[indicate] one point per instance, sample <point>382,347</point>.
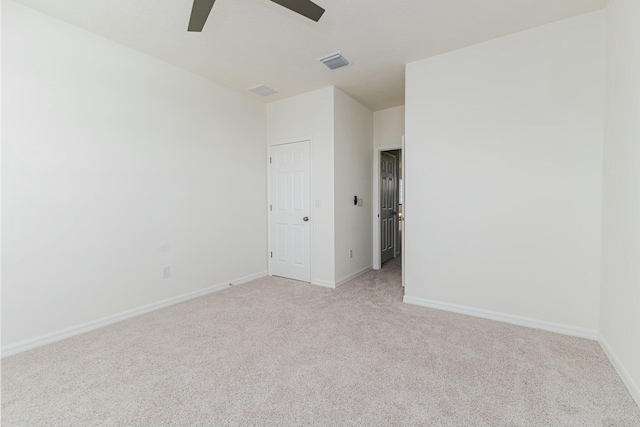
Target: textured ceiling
<point>251,42</point>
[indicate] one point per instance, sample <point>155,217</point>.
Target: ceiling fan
<point>202,8</point>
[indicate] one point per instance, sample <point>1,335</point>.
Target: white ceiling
<point>251,42</point>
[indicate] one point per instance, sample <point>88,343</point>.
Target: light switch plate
<point>360,201</point>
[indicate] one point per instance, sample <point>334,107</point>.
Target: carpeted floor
<point>279,352</point>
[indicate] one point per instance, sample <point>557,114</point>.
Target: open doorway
<point>388,207</point>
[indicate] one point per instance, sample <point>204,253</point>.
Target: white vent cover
<point>263,90</point>
<point>334,61</point>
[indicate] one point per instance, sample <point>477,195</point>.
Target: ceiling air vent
<point>263,90</point>
<point>334,61</point>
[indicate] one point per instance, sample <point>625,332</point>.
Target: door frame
<point>270,145</point>
<point>377,153</point>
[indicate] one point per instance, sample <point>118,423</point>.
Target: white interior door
<point>290,228</point>
<point>388,203</point>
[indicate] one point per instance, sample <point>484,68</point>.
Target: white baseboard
<point>324,283</point>
<point>591,334</point>
<point>353,276</point>
<point>634,389</point>
<point>21,346</point>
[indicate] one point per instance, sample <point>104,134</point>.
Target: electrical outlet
<point>166,272</point>
<point>350,253</point>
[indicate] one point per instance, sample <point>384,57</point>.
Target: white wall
<point>353,175</point>
<point>388,126</point>
<point>115,164</point>
<point>504,176</point>
<point>310,116</point>
<point>1,173</point>
<point>620,294</point>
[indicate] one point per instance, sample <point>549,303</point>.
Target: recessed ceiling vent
<point>263,90</point>
<point>334,61</point>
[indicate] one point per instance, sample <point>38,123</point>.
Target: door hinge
<point>269,159</point>
<point>271,254</point>
<point>270,207</point>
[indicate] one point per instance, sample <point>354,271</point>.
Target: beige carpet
<point>279,352</point>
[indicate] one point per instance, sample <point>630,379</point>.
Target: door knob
<point>306,218</point>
